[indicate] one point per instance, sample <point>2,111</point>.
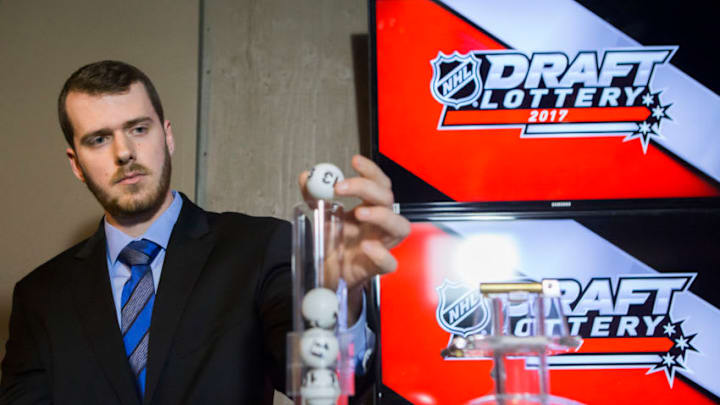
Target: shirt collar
<point>159,232</point>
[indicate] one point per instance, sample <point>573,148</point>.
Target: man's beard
<point>145,207</point>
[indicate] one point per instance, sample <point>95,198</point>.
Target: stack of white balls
<point>319,347</point>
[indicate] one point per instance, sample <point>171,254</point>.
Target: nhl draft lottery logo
<point>553,94</point>
<point>461,310</point>
<point>625,322</point>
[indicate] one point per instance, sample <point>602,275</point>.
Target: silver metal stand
<point>525,385</point>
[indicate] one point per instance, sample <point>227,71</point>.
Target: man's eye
<point>140,130</point>
<point>96,140</point>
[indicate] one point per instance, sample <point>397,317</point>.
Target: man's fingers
<point>368,169</point>
<point>394,225</point>
<point>302,181</point>
<point>380,256</point>
<point>371,192</point>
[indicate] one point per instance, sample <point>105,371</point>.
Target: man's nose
<point>124,149</point>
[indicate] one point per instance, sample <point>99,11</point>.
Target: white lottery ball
<point>318,348</point>
<point>320,308</point>
<point>320,387</point>
<point>322,179</point>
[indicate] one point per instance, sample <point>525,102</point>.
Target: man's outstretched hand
<point>370,229</point>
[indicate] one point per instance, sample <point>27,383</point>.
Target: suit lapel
<point>188,248</point>
<point>94,303</point>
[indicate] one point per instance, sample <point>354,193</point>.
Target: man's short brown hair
<point>105,77</point>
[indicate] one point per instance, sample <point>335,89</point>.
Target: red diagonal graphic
<point>560,115</point>
<point>411,341</point>
<point>626,345</point>
<point>497,164</point>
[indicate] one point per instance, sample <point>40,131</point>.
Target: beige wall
<point>45,209</point>
<point>282,96</point>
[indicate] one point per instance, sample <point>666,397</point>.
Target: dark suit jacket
<point>222,309</point>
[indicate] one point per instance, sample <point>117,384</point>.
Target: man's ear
<point>169,138</point>
<point>74,164</point>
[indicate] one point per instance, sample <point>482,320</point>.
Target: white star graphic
<point>647,99</point>
<point>669,364</point>
<point>658,112</point>
<point>669,328</point>
<point>644,132</point>
<point>681,343</point>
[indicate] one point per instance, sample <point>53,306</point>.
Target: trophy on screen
<point>319,349</point>
<point>527,325</point>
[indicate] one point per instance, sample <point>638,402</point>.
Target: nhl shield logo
<point>461,310</point>
<point>456,79</point>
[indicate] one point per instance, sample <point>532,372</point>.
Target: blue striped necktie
<point>138,296</point>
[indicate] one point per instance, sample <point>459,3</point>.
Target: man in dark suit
<point>167,303</point>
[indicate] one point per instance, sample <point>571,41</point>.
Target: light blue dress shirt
<point>159,232</point>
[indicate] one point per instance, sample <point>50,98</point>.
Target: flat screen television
<point>554,104</point>
<point>640,289</point>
